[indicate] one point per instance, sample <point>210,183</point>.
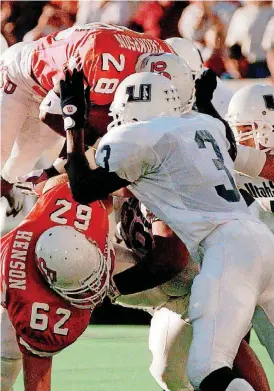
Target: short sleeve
<point>125,154</point>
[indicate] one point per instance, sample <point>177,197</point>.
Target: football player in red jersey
<point>107,54</point>
<point>56,268</point>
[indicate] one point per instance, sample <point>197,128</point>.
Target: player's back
<point>185,177</point>
<point>108,54</point>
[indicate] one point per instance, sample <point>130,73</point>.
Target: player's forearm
<point>254,162</point>
<point>37,373</point>
<point>209,109</point>
<point>88,185</point>
<point>143,276</point>
<point>169,257</point>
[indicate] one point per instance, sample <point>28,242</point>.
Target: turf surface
<point>114,358</point>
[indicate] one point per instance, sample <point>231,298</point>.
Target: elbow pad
<point>249,161</point>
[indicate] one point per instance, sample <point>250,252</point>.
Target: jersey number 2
<point>39,321</point>
<point>231,195</point>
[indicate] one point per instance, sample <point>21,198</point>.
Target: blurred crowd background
<point>236,38</point>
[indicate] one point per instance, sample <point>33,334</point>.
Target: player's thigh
<point>29,145</point>
<point>11,358</point>
<point>169,341</point>
<point>9,345</point>
<point>14,111</point>
<point>223,299</point>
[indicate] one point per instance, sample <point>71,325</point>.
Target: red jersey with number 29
<point>45,323</point>
<point>108,54</point>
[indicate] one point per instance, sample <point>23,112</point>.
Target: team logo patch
<point>69,109</point>
<point>143,95</point>
<point>49,274</point>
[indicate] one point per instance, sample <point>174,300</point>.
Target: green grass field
<point>114,358</point>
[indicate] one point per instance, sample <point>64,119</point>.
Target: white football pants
<point>237,274</point>
<point>11,357</point>
<point>170,338</point>
<point>24,136</point>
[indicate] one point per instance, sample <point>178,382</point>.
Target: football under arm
<point>37,373</point>
<point>168,258</point>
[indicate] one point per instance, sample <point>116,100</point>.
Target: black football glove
<point>205,87</point>
<point>73,102</point>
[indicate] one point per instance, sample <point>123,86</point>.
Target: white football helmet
<point>175,69</point>
<point>143,96</point>
<point>187,51</point>
<point>74,267</point>
<point>253,105</point>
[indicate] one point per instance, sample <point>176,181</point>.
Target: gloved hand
<point>27,183</point>
<point>73,102</point>
<point>205,87</point>
<point>15,199</point>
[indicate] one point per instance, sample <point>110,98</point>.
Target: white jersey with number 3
<point>180,169</point>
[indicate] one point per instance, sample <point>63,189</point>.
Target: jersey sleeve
<point>121,152</point>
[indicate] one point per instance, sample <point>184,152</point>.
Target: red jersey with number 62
<point>108,54</point>
<point>45,323</point>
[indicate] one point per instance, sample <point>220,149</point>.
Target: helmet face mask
<point>253,106</point>
<point>258,133</point>
<point>76,270</point>
<point>143,96</point>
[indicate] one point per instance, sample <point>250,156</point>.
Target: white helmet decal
<point>174,68</point>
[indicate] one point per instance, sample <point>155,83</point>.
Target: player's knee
<point>222,379</point>
<point>10,369</point>
<point>10,349</point>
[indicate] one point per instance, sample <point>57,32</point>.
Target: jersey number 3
<point>231,195</point>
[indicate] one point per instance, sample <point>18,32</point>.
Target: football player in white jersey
<point>251,116</point>
<point>170,334</point>
<point>151,150</point>
<point>221,98</point>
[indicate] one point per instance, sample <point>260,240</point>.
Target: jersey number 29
<point>83,214</point>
